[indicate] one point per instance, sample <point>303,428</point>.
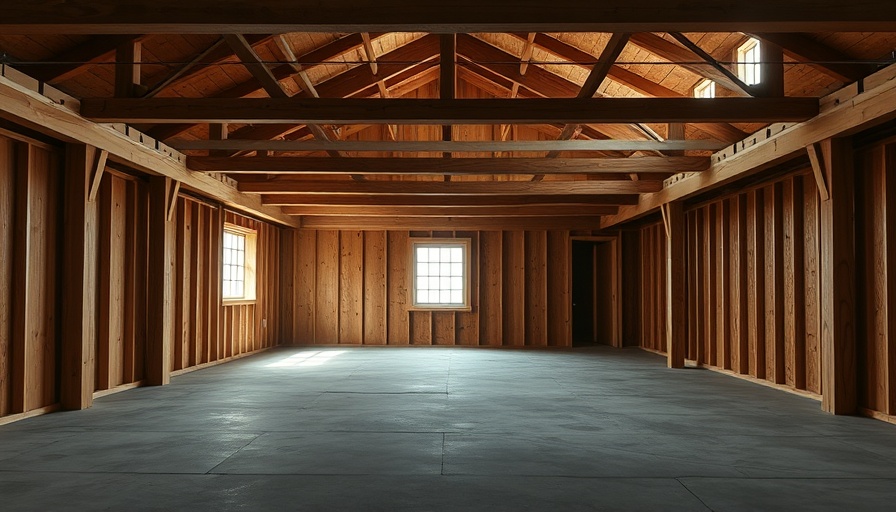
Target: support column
<point>158,308</point>
<point>838,344</point>
<point>676,291</point>
<point>79,277</point>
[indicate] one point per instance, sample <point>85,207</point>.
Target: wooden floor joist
<point>428,188</point>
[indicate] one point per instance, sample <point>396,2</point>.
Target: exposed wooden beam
<point>23,106</point>
<point>454,166</point>
<point>452,146</point>
<point>283,185</point>
<point>96,174</point>
<point>293,61</point>
<point>159,272</point>
<point>279,16</point>
<point>339,199</point>
<point>819,169</point>
<point>849,112</point>
<point>683,58</point>
<point>676,284</point>
<point>127,69</point>
<point>703,54</point>
<point>771,64</point>
<point>196,62</point>
<point>560,210</point>
<point>253,63</point>
<point>451,223</point>
<point>829,61</point>
<point>526,55</point>
<point>75,60</point>
<point>722,131</point>
<point>458,111</point>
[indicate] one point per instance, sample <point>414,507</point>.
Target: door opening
<point>595,318</point>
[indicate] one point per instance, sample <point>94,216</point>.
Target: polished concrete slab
<point>449,429</point>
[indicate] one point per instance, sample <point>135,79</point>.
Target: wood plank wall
<point>353,287</point>
<point>876,280</point>
<point>753,287</point>
<point>205,330</point>
<point>30,241</point>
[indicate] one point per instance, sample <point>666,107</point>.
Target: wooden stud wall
<point>752,283</point>
<point>876,280</point>
<point>121,282</point>
<point>353,287</point>
<point>206,329</point>
<point>30,244</point>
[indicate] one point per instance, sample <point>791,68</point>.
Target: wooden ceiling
<point>416,115</point>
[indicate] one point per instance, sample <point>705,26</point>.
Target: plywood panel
<point>558,294</point>
<point>491,327</point>
<point>7,232</point>
<point>794,284</point>
<point>326,318</point>
<point>398,254</point>
<point>375,287</point>
<point>812,275</point>
<point>536,288</point>
<point>306,286</point>
<point>466,330</point>
<point>514,289</point>
<point>774,284</point>
<point>351,287</point>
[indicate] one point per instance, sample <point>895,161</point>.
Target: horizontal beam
<point>437,188</point>
<point>280,16</point>
<point>386,200</point>
<point>446,166</point>
<point>451,223</point>
<point>446,146</point>
<point>852,110</point>
<point>458,111</point>
<point>28,108</point>
<point>527,210</point>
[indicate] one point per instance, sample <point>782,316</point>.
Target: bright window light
<point>748,68</point>
<point>705,89</point>
<point>441,273</point>
<point>313,358</point>
<point>238,263</point>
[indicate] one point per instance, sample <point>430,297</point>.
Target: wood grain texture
<point>375,303</point>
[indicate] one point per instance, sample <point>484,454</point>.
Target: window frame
<point>704,85</point>
<point>466,244</point>
<point>748,46</point>
<point>249,265</point>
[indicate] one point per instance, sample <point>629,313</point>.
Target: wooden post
<point>838,344</point>
<point>676,291</point>
<point>771,57</point>
<point>158,308</point>
<point>127,69</point>
<point>79,279</point>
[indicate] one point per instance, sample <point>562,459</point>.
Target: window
<point>441,273</point>
<point>705,89</point>
<point>238,264</point>
<point>748,68</point>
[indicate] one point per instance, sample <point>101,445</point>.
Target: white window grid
<point>748,58</point>
<point>234,267</point>
<point>440,274</point>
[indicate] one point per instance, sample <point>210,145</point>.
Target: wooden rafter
<point>182,71</point>
<point>454,166</point>
<point>285,49</point>
<point>722,131</point>
<point>254,64</point>
<point>682,57</point>
<point>451,223</point>
<point>71,62</point>
<point>480,188</point>
<point>458,111</point>
<point>703,54</point>
<point>273,16</point>
<point>818,55</point>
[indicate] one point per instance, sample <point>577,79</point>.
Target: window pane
<point>444,269</point>
<point>444,283</point>
<point>457,283</point>
<point>226,289</point>
<point>457,254</point>
<point>445,254</point>
<point>422,254</point>
<point>422,269</point>
<point>445,297</point>
<point>457,296</point>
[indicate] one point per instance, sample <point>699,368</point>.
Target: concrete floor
<point>449,429</point>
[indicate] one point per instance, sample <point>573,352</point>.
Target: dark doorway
<point>594,293</point>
